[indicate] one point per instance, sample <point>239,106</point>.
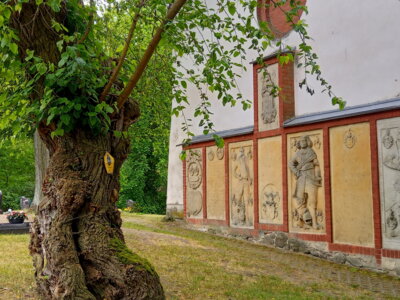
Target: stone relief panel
<point>215,184</point>
<point>389,177</point>
<point>270,180</point>
<point>305,177</point>
<point>268,104</point>
<point>194,184</point>
<point>241,184</point>
<point>351,185</point>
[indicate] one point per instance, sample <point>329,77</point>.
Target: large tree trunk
<point>41,164</point>
<point>77,244</point>
<point>76,241</point>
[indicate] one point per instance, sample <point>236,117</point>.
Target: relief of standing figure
<point>305,166</point>
<point>242,197</point>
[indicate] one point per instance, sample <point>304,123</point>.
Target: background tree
<point>61,75</point>
<point>17,174</point>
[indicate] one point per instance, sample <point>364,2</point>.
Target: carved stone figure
<point>270,202</point>
<point>220,153</point>
<point>349,139</point>
<point>194,180</point>
<point>387,140</point>
<point>392,159</point>
<point>269,110</point>
<point>210,155</point>
<point>194,170</point>
<point>242,199</point>
<point>305,166</point>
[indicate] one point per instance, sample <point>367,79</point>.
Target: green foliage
<point>17,174</point>
<point>214,37</point>
<point>144,174</point>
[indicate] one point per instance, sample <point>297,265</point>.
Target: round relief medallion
<point>275,16</point>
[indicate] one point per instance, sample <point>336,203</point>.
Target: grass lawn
<point>197,265</point>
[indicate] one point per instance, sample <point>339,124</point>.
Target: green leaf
<point>13,47</point>
<point>219,141</point>
<point>57,132</point>
<point>232,8</point>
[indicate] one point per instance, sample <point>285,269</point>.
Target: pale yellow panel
<point>241,184</point>
<point>306,199</point>
<point>270,180</point>
<point>352,211</point>
<point>215,183</point>
<point>194,184</point>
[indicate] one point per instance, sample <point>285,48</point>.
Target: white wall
<point>358,44</point>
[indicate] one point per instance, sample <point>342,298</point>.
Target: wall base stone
<point>175,211</point>
<point>284,241</point>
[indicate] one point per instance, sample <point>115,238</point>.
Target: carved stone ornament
<point>305,166</point>
<point>392,159</point>
<point>317,143</point>
<point>269,110</point>
<point>194,170</point>
<point>389,180</point>
<point>270,202</point>
<point>387,140</point>
<point>220,153</point>
<point>195,207</point>
<point>242,186</point>
<point>210,155</point>
<point>349,139</point>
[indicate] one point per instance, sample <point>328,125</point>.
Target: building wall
<point>357,49</point>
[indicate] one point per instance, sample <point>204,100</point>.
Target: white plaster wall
<point>358,44</point>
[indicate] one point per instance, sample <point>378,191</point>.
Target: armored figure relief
<point>242,195</point>
<point>269,110</point>
<point>305,166</point>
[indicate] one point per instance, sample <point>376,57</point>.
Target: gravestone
<point>24,202</point>
<point>130,203</point>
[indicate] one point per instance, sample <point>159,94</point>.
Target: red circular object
<point>275,16</point>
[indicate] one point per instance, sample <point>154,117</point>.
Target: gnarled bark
<point>76,240</point>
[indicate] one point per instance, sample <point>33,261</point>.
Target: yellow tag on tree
<point>109,163</point>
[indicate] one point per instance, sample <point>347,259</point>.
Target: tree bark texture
<point>76,240</point>
<point>77,244</point>
<point>41,163</point>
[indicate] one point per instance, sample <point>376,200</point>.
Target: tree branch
<point>89,26</point>
<point>172,12</point>
<point>117,69</point>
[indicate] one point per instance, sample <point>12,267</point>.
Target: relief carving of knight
<point>242,196</point>
<point>305,166</point>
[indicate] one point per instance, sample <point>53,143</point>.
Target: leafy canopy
<point>67,88</point>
